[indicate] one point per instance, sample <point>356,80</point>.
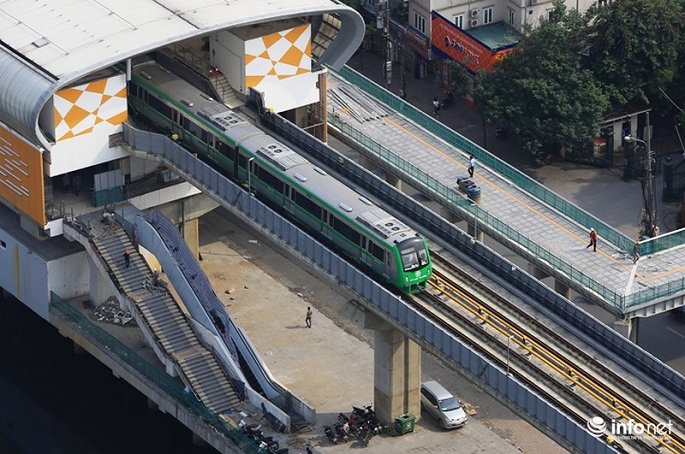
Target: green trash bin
<point>405,423</point>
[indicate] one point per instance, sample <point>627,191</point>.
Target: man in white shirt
<point>472,165</point>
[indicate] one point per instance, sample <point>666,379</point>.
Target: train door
<point>288,199</point>
<point>364,257</point>
<point>327,224</point>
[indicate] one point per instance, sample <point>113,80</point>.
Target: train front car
<point>413,264</point>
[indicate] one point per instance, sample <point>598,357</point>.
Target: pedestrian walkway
<point>540,232</point>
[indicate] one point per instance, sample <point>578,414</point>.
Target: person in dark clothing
<point>436,106</point>
<point>127,259</point>
<point>593,240</point>
<point>636,252</point>
<point>308,317</point>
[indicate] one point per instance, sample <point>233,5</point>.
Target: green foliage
<point>635,48</point>
<point>459,79</point>
<point>541,92</point>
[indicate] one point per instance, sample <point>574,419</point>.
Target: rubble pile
<point>109,312</point>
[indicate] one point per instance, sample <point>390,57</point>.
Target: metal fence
<point>491,224</point>
<point>236,200</point>
<point>174,389</point>
<point>522,180</point>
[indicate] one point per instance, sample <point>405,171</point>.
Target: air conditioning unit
<point>474,13</point>
<point>474,22</point>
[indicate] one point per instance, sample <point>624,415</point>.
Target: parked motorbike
<point>330,434</point>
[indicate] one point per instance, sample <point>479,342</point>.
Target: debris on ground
<point>110,312</point>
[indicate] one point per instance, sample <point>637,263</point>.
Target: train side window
<point>134,89</point>
<point>227,151</point>
<point>376,251</point>
<point>268,178</point>
<point>183,121</point>
<point>242,161</point>
<point>159,106</point>
<point>307,204</point>
<point>346,231</point>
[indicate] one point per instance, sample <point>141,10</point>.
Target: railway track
<point>549,363</point>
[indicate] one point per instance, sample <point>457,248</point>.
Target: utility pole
<point>649,218</point>
<point>387,54</point>
<point>648,187</point>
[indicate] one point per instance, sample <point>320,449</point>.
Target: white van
<point>442,405</point>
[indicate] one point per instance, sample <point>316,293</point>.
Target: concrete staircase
<point>159,311</point>
<point>226,94</point>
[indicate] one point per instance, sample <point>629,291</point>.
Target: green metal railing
<point>172,387</point>
<point>607,233</point>
<point>473,212</point>
<point>523,181</point>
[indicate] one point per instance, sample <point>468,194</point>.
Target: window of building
<point>459,20</point>
<point>512,16</point>
<point>487,15</point>
<point>420,23</point>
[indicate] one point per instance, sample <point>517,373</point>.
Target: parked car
<point>442,405</point>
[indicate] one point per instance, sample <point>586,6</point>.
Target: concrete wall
<point>68,276</point>
<point>24,274</point>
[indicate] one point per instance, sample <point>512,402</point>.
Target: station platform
<point>330,365</point>
<point>505,211</point>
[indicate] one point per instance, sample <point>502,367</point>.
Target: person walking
<point>127,259</point>
<point>472,165</point>
<point>636,251</point>
<point>436,106</point>
<point>593,240</point>
<point>308,317</point>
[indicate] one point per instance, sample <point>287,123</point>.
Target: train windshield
<point>413,253</point>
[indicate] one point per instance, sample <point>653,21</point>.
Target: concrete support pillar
<point>394,181</point>
<point>537,272</point>
<point>191,234</point>
<point>473,230</point>
<point>397,372</point>
<point>99,288</point>
<point>301,117</point>
<point>77,349</point>
<point>449,215</point>
<point>198,441</point>
<point>152,405</point>
<point>633,329</point>
<point>562,289</point>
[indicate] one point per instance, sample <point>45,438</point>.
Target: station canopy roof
<point>47,44</point>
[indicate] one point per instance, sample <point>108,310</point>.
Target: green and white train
<point>369,236</point>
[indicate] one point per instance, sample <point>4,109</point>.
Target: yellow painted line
<point>680,269</point>
<point>508,194</point>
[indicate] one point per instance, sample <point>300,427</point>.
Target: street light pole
<point>649,220</point>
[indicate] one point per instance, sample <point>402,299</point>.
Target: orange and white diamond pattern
<point>78,110</point>
<point>278,56</point>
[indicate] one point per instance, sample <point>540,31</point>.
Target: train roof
<point>196,101</point>
<point>286,160</point>
<point>325,187</point>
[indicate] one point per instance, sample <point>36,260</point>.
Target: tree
<point>635,45</point>
<point>459,79</point>
<point>541,91</point>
